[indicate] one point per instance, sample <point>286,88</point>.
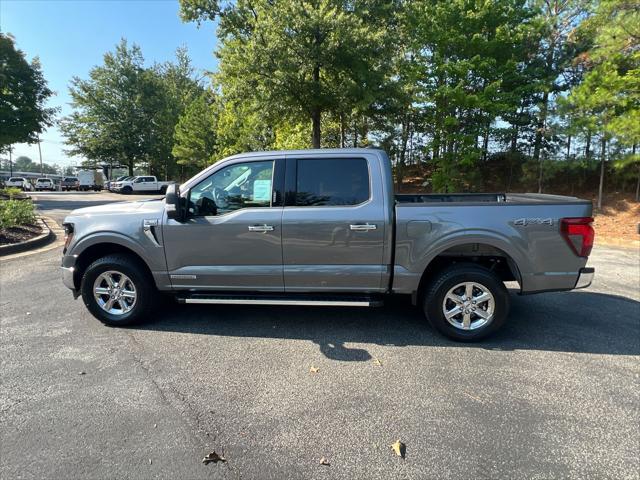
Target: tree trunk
<point>568,146</point>
<point>587,148</point>
<point>343,132</point>
<point>633,151</point>
<point>315,127</point>
<point>540,165</point>
<point>485,144</point>
<point>316,112</point>
<point>541,126</point>
<point>603,151</point>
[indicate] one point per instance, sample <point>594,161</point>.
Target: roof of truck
<point>319,151</point>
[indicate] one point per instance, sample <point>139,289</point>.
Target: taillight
<point>579,234</point>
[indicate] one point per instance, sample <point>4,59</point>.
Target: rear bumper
<point>585,277</point>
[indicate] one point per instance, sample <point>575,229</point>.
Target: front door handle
<point>362,227</point>
<point>261,228</point>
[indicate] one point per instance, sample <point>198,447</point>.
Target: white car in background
<point>19,182</point>
<point>45,184</point>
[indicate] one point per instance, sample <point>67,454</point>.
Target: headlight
<point>68,235</point>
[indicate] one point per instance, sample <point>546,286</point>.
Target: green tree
<point>195,137</point>
<point>468,56</point>
<point>25,164</point>
<point>126,113</point>
<point>109,122</point>
<point>299,60</point>
<point>23,95</point>
<point>609,94</point>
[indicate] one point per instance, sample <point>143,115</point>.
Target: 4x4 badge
<point>523,222</point>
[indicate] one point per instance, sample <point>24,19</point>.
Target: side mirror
<point>174,203</point>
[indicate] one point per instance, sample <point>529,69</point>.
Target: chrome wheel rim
<point>114,292</point>
<point>469,306</point>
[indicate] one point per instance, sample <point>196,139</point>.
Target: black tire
<point>127,190</point>
<point>438,288</point>
<point>163,189</point>
<point>144,287</point>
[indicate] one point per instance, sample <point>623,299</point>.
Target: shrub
<point>11,192</point>
<point>16,212</point>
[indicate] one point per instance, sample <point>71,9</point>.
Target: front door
<point>231,239</point>
<point>333,229</point>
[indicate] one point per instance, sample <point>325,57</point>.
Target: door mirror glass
<point>173,202</point>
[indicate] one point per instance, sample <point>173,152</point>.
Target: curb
<point>30,244</point>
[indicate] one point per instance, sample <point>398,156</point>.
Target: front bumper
<point>585,277</point>
<point>67,270</point>
<point>67,277</point>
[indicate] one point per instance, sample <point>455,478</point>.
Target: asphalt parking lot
<point>554,395</point>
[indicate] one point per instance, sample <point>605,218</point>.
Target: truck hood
<point>148,207</point>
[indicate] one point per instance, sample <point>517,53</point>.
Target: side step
<point>333,300</point>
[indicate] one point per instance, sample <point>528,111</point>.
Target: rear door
<point>333,227</point>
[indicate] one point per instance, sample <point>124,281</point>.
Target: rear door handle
<point>261,228</point>
<point>363,227</point>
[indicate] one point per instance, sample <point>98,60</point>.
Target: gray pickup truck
<point>324,227</point>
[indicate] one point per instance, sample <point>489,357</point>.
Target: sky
<point>71,36</point>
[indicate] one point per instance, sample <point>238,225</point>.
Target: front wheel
<point>127,190</point>
<point>466,302</point>
<point>117,290</point>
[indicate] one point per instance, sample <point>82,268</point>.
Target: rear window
<point>334,182</point>
<point>16,179</point>
<point>70,179</point>
<point>44,180</point>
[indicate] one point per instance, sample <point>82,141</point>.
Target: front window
<point>241,185</point>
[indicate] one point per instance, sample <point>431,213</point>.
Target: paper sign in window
<point>262,190</point>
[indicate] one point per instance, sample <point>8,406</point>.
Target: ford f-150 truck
<point>324,227</point>
<point>140,184</point>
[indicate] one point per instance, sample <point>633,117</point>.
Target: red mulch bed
<point>19,234</point>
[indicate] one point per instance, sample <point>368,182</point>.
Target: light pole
<point>40,152</point>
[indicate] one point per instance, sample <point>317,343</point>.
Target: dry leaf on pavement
<point>314,370</point>
<point>400,448</point>
<point>377,362</point>
<point>324,461</point>
<point>213,457</point>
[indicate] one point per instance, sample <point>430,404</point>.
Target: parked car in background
<point>108,185</point>
<point>20,182</point>
<point>141,184</point>
<point>70,183</point>
<point>90,180</point>
<point>45,184</point>
<point>324,227</point>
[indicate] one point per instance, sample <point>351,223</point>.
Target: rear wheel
<point>466,302</point>
<point>117,290</point>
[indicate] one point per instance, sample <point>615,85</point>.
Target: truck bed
<point>484,198</point>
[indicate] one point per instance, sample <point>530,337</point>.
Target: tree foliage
<point>23,96</point>
<point>126,113</point>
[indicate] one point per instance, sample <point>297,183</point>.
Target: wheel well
<point>481,254</point>
<point>99,250</point>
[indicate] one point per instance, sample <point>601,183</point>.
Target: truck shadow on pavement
<point>580,322</point>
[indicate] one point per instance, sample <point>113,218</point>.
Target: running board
<point>269,299</point>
